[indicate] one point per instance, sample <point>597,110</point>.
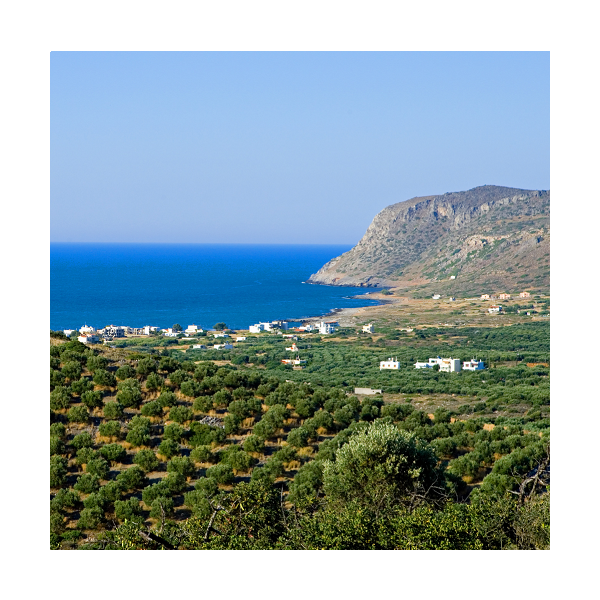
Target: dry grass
<point>307,451</point>
<point>248,422</point>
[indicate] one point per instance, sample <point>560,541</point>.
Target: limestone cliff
<point>491,236</point>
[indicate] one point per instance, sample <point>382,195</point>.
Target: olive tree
<point>146,459</point>
<point>59,398</point>
<point>129,393</point>
<point>104,378</point>
<point>78,414</point>
<point>126,509</point>
<point>58,471</point>
<point>110,429</point>
<point>381,467</point>
<point>113,410</point>
<point>113,452</point>
<point>181,464</point>
<point>125,372</point>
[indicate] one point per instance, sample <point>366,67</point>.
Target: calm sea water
<point>163,284</point>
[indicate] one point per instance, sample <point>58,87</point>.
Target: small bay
<point>163,284</point>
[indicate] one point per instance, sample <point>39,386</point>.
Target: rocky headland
<point>488,238</point>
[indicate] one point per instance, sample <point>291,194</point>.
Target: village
<point>224,338</point>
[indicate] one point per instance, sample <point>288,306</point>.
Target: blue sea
<point>201,284</point>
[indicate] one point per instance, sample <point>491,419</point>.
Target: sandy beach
<point>348,317</point>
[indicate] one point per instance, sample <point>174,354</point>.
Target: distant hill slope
<point>490,238</point>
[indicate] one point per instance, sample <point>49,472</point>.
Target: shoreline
<point>346,317</point>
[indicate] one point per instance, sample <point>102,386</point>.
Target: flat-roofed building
<point>389,364</point>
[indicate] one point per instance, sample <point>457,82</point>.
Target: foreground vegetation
<point>160,448</point>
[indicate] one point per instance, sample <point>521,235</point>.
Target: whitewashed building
<point>89,338</point>
<point>473,365</point>
<point>436,296</point>
<point>113,331</point>
<point>293,348</point>
<point>198,347</point>
<point>86,329</point>
<point>423,365</point>
<point>494,309</point>
<point>293,361</point>
<point>389,364</point>
<point>240,338</point>
<point>192,329</point>
<point>524,295</point>
<point>367,391</point>
<point>225,346</point>
<point>450,365</point>
<point>370,328</point>
<point>68,332</point>
<point>327,327</point>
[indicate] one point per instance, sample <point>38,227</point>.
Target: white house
<point>485,296</point>
<point>223,335</point>
<point>450,365</point>
<point>494,309</point>
<point>192,329</point>
<point>198,347</point>
<point>293,361</point>
<point>327,327</point>
<point>113,331</point>
<point>68,332</point>
<point>370,328</point>
<point>90,338</point>
<point>423,365</point>
<point>240,338</point>
<point>389,364</point>
<point>473,365</point>
<point>87,329</point>
<point>452,276</point>
<point>225,346</point>
<point>293,348</point>
<point>255,328</point>
<point>436,296</point>
<point>504,296</point>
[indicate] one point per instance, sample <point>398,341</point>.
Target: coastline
<point>348,317</point>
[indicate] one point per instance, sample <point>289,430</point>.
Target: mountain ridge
<point>492,236</point>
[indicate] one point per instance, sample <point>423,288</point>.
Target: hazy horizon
<point>283,147</point>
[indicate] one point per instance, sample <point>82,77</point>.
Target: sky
<point>282,147</point>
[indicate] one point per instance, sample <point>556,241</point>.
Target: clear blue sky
<point>276,147</point>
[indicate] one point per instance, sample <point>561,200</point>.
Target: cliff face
<point>490,236</point>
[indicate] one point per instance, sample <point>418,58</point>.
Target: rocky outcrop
<point>470,238</point>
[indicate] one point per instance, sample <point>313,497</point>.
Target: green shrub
<point>113,410</point>
<point>104,378</point>
<point>113,452</point>
<point>169,448</point>
<point>133,478</point>
<point>110,429</point>
<point>59,398</point>
<point>82,440</point>
<point>181,414</point>
<point>221,473</point>
<point>127,509</point>
<point>87,483</point>
<point>181,464</point>
<point>58,471</point>
<point>147,460</point>
<point>152,409</point>
<point>98,467</point>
